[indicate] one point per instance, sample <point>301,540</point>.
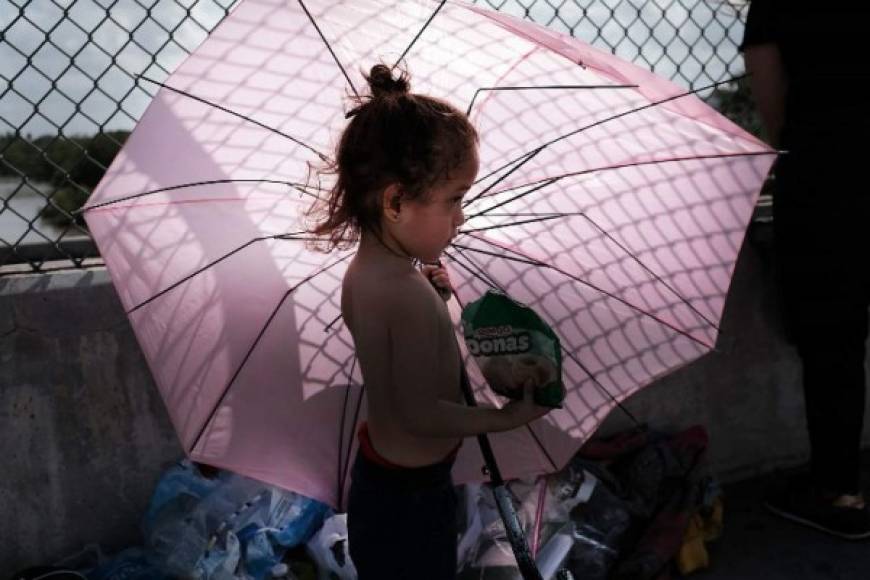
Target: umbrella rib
<point>329,47</point>
<point>322,157</point>
<point>536,187</point>
<point>534,218</point>
<point>527,425</point>
<point>254,346</point>
<point>195,184</point>
<point>486,280</point>
<point>535,262</point>
<point>527,261</point>
<point>601,122</point>
<point>523,160</point>
<point>343,468</point>
<point>420,33</point>
<point>550,180</point>
<point>601,387</point>
<point>341,473</point>
<point>545,217</point>
<point>291,236</point>
<point>650,271</point>
<point>647,106</point>
<point>328,327</point>
<point>542,87</point>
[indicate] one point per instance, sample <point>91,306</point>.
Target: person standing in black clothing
<point>809,78</point>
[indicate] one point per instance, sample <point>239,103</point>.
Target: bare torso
<point>371,280</point>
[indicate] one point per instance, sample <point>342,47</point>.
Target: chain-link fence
<point>70,89</point>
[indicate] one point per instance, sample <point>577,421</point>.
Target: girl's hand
<point>439,278</point>
<point>525,410</point>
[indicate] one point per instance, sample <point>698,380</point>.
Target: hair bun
<point>382,83</point>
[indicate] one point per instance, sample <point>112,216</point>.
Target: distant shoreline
<point>29,204</point>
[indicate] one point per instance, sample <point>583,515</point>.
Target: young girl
<point>403,164</point>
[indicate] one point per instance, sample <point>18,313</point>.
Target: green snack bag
<point>511,344</point>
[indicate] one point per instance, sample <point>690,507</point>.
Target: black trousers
<point>402,522</point>
<point>822,244</point>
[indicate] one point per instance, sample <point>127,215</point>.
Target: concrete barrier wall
<point>83,431</point>
<point>84,435</point>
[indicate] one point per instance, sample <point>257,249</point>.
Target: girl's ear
<point>391,203</point>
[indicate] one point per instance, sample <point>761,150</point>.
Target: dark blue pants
<point>402,522</point>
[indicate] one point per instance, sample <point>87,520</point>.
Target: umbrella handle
<point>515,535</point>
<point>512,526</point>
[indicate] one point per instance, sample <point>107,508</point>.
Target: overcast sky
<point>694,32</point>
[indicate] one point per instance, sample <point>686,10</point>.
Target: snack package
<point>511,344</point>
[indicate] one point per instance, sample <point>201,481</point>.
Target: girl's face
<point>426,226</point>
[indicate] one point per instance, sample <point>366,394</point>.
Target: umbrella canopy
<point>610,200</point>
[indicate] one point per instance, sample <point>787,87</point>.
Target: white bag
<point>321,549</point>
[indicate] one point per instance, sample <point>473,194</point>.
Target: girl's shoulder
<point>396,297</point>
<point>408,290</point>
<point>387,288</point>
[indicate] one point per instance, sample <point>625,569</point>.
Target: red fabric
<point>619,445</point>
<point>367,449</point>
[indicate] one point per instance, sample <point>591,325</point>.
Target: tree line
<point>58,158</point>
<point>72,165</point>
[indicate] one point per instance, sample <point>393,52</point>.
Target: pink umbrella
<point>610,200</point>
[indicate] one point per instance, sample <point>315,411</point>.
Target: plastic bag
<point>190,515</point>
<point>512,344</point>
<point>220,562</point>
<point>329,549</point>
<point>543,508</point>
<point>601,522</point>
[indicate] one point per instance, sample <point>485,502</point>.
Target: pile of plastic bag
<point>636,506</point>
<point>207,524</point>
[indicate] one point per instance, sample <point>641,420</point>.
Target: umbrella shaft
<point>515,535</point>
<point>512,526</point>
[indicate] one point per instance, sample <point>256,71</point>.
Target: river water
<point>28,204</point>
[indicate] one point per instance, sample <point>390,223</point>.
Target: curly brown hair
<point>394,136</point>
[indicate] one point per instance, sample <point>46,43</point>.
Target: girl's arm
<point>414,338</point>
